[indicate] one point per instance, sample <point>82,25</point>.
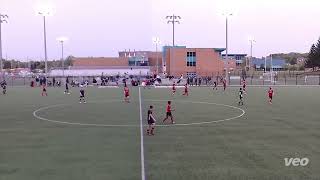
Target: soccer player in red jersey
<point>270,94</point>
<point>126,94</point>
<point>173,88</point>
<point>44,91</point>
<point>169,113</point>
<point>186,92</point>
<point>224,84</point>
<point>244,85</point>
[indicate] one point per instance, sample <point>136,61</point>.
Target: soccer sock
<point>152,131</point>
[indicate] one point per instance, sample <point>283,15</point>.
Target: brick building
<point>172,61</point>
<point>193,61</point>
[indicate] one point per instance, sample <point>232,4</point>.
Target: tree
<point>68,61</point>
<point>313,60</point>
<point>293,60</point>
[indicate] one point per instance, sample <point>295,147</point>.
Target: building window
<point>191,74</point>
<point>191,59</point>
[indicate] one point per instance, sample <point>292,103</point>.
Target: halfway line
<point>143,177</point>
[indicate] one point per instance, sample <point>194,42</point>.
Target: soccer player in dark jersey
<point>270,94</point>
<point>151,122</point>
<point>240,97</point>
<point>82,95</point>
<point>4,87</point>
<point>126,94</point>
<point>173,88</point>
<point>44,90</point>
<point>186,90</point>
<point>169,113</point>
<point>66,91</point>
<point>215,85</point>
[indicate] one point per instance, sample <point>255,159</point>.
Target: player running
<point>270,94</point>
<point>173,88</point>
<point>169,113</point>
<point>126,94</point>
<point>4,87</point>
<point>82,95</point>
<point>186,90</point>
<point>44,90</point>
<point>241,97</point>
<point>215,85</point>
<point>151,122</point>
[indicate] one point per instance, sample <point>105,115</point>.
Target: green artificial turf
<point>250,147</point>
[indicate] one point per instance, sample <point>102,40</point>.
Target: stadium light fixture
<point>173,19</point>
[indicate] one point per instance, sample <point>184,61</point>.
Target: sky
<point>101,28</point>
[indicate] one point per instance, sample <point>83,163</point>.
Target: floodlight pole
<point>251,50</point>
<point>271,68</point>
<point>3,19</point>
<point>156,41</point>
<point>45,42</point>
<point>45,45</point>
<point>157,59</point>
<point>173,19</point>
<point>227,58</point>
<point>62,55</point>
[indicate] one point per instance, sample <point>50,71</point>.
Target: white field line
<point>143,176</point>
<point>35,114</point>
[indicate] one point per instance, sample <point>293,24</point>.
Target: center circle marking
<point>35,114</point>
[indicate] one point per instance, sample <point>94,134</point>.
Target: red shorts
<point>270,96</point>
<point>126,95</point>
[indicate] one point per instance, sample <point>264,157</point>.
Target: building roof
<point>244,55</point>
<point>219,49</point>
<point>185,47</point>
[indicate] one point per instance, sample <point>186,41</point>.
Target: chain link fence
<point>257,79</point>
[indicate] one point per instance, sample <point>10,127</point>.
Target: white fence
<point>98,72</point>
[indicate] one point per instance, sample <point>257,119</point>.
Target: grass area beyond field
<point>102,139</point>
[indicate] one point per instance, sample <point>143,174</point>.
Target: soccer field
<point>56,138</point>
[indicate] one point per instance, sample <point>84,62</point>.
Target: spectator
<point>54,81</point>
